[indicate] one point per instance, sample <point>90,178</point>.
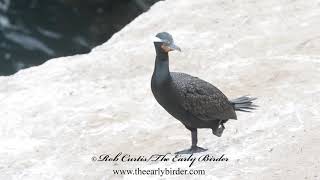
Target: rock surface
<point>56,116</point>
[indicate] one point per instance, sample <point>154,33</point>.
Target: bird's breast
<point>166,97</point>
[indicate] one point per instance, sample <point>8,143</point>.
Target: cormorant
<point>194,102</point>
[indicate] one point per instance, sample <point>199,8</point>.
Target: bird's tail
<point>244,104</point>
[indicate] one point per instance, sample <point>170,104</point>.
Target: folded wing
<point>202,99</point>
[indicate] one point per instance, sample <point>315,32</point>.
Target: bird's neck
<point>161,69</point>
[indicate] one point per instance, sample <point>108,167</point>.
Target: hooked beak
<point>174,47</point>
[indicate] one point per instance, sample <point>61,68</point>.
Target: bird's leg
<point>194,148</point>
<point>194,138</point>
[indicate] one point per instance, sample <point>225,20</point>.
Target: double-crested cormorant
<point>194,102</point>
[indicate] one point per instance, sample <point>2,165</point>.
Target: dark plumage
<point>194,102</point>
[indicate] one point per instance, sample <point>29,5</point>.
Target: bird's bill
<point>174,47</point>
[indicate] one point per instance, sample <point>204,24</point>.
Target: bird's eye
<point>166,42</point>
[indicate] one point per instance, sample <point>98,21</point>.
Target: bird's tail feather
<point>244,104</point>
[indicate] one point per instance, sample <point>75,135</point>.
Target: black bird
<point>194,102</point>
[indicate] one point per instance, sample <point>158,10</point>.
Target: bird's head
<point>164,42</point>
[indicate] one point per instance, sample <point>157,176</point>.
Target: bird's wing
<point>202,99</point>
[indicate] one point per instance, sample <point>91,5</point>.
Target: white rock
<point>56,116</point>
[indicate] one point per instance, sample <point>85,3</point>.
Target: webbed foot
<point>218,132</point>
<point>193,149</point>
